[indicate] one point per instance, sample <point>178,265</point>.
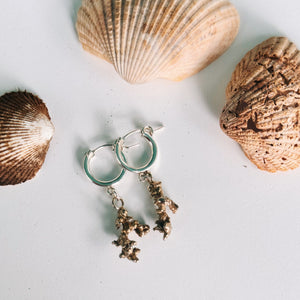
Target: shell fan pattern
<point>25,134</point>
<point>149,39</point>
<point>263,105</point>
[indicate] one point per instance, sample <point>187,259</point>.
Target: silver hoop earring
<point>161,202</point>
<point>119,145</point>
<point>124,222</point>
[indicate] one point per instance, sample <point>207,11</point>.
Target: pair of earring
<point>124,222</point>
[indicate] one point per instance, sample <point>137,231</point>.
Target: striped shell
<point>25,134</point>
<point>263,105</point>
<point>149,39</point>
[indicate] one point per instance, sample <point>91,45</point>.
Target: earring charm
<point>127,224</point>
<point>124,222</point>
<point>161,202</point>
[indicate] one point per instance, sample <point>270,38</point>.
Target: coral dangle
<point>127,224</point>
<point>161,203</point>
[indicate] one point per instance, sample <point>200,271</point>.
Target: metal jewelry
<point>124,222</point>
<point>161,202</point>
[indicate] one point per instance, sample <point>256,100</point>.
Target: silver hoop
<point>87,160</point>
<point>146,132</point>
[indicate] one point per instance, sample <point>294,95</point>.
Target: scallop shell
<point>150,39</point>
<point>25,134</point>
<point>263,108</point>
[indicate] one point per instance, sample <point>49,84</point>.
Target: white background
<point>237,232</point>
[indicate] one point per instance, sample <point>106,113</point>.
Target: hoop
<point>87,161</point>
<point>146,132</point>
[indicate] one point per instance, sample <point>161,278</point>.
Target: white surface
<point>237,232</point>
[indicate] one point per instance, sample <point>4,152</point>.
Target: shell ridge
<point>251,78</point>
<point>179,7</point>
<point>87,39</point>
<point>23,149</point>
<point>107,26</point>
<point>272,165</point>
<point>125,23</point>
<point>143,45</point>
<point>27,171</point>
<point>111,30</point>
<point>84,14</point>
<point>135,39</point>
<point>274,120</point>
<point>8,159</point>
<point>20,141</point>
<point>126,9</point>
<point>272,144</point>
<point>158,23</point>
<point>169,45</point>
<point>174,54</point>
<point>117,27</point>
<point>255,89</point>
<point>290,50</point>
<point>296,58</point>
<point>183,33</point>
<point>232,87</point>
<point>107,32</point>
<point>92,22</point>
<point>89,42</point>
<point>31,134</point>
<point>120,35</point>
<point>131,22</point>
<point>97,10</point>
<point>280,46</point>
<point>248,114</point>
<point>139,44</point>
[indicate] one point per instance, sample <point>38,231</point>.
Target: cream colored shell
<point>150,39</point>
<point>263,105</point>
<point>25,134</point>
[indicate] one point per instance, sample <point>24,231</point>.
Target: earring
<point>161,202</point>
<point>123,221</point>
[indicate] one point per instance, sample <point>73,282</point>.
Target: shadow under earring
<point>124,222</point>
<point>161,202</point>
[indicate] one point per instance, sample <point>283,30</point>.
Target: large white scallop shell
<point>263,105</point>
<point>149,39</point>
<point>25,134</point>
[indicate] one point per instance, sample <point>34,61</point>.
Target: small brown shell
<point>263,105</point>
<point>25,134</point>
<point>150,39</point>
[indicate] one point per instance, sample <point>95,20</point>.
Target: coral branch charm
<point>161,202</point>
<point>128,224</point>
